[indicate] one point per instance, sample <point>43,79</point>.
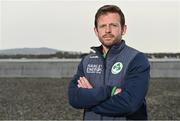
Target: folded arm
<point>80,97</point>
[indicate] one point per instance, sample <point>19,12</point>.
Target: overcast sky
<point>153,25</point>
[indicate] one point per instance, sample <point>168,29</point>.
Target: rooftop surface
<point>46,99</point>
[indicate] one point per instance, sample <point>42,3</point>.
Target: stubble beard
<point>109,43</point>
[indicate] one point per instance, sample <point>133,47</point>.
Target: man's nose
<point>108,29</point>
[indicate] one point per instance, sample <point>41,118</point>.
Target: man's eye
<point>102,26</point>
<point>114,25</point>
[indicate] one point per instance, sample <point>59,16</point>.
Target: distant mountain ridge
<point>28,51</point>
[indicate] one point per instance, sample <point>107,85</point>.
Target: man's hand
<point>84,83</point>
<point>118,90</point>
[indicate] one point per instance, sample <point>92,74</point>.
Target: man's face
<point>109,30</point>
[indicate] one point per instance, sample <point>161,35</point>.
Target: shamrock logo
<point>116,68</point>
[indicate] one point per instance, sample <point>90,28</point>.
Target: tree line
<point>68,55</point>
<point>44,56</point>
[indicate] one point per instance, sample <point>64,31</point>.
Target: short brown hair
<point>109,9</point>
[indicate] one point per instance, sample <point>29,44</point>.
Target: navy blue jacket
<point>123,67</point>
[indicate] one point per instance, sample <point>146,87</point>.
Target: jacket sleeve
<point>134,89</point>
<point>86,98</point>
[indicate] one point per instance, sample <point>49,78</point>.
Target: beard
<point>109,40</point>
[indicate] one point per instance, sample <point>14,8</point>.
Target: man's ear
<point>124,30</point>
<point>96,31</point>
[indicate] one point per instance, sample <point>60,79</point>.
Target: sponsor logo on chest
<point>94,68</point>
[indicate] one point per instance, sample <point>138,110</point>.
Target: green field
<point>46,99</point>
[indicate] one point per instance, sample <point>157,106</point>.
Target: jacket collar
<point>116,48</point>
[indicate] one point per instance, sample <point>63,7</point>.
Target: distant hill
<point>28,51</point>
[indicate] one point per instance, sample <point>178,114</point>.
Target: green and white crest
<point>116,68</point>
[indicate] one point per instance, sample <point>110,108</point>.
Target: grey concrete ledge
<point>58,68</point>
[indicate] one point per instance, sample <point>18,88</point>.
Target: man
<point>111,84</point>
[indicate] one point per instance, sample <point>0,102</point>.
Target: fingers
<point>87,83</point>
<point>79,86</point>
<point>84,83</point>
<point>118,90</point>
<point>80,83</point>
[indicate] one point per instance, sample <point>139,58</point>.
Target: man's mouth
<point>109,36</point>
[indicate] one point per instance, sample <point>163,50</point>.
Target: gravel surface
<point>46,99</point>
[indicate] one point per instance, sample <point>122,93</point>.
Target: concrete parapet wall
<point>168,68</point>
<point>38,68</point>
<point>58,68</point>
